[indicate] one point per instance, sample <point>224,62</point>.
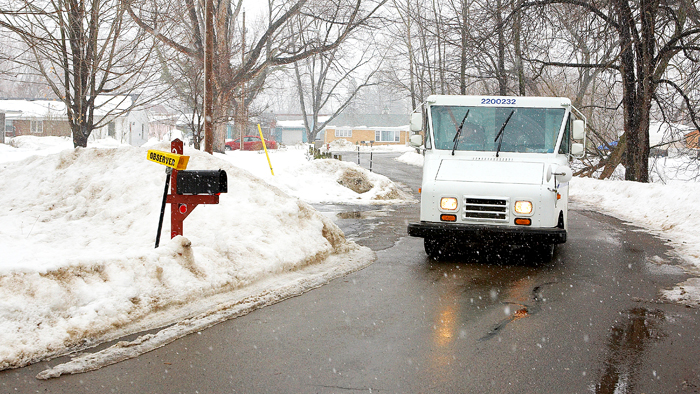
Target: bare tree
<point>16,80</point>
<point>328,80</point>
<point>461,46</point>
<point>284,41</point>
<point>651,37</point>
<point>84,49</point>
<point>184,78</point>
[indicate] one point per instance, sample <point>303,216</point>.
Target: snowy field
<point>667,210</point>
<point>78,227</point>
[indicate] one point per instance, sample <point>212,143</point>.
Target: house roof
<point>369,120</point>
<point>54,109</point>
<point>298,123</point>
<point>664,132</point>
<point>30,109</point>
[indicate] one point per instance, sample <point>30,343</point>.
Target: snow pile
<point>78,266</point>
<point>320,181</point>
<point>341,145</point>
<point>20,147</point>
<point>412,158</point>
<point>29,142</point>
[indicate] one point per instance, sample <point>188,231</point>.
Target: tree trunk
<point>616,157</point>
<point>501,72</point>
<point>80,135</point>
<point>463,50</point>
<point>518,53</point>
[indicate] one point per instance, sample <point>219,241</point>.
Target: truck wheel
<point>541,254</point>
<point>433,248</point>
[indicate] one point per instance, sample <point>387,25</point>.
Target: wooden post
<point>208,76</point>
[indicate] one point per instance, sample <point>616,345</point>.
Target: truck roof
<point>500,101</point>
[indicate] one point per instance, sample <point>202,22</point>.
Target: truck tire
<point>433,248</point>
<point>542,254</point>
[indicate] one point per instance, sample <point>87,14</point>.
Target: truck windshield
<point>533,130</point>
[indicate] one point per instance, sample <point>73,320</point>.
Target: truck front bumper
<point>487,233</point>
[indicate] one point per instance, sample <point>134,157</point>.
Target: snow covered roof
<point>28,109</point>
<point>298,123</point>
<point>371,121</point>
<point>54,109</point>
<point>666,132</point>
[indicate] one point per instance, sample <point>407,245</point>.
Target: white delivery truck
<point>496,171</point>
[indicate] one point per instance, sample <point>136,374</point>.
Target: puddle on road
<point>629,338</point>
<point>520,310</point>
<point>377,227</point>
<point>361,214</point>
<point>660,266</point>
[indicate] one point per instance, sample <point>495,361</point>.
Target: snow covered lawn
<point>79,267</point>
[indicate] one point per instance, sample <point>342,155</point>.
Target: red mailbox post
<point>196,187</point>
<point>181,205</point>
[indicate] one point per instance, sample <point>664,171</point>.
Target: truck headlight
<point>523,207</point>
<point>448,203</point>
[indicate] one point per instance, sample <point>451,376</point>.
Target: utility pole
<point>208,76</point>
<point>242,117</point>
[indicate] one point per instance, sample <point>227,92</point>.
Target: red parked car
<point>250,142</point>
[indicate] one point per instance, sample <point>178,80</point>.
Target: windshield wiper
<point>457,134</point>
<point>499,136</point>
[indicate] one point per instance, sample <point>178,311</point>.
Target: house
<point>2,127</point>
<point>266,122</point>
<point>691,139</point>
<point>50,118</point>
<point>665,136</point>
<point>162,123</point>
<point>129,127</point>
<point>35,117</point>
<point>290,129</point>
<point>290,132</point>
<point>380,129</point>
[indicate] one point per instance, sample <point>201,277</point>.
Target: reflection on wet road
<point>629,338</point>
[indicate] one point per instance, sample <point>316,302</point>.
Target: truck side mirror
<point>563,174</point>
<point>577,150</point>
<point>416,140</point>
<point>202,182</point>
<point>416,121</point>
<point>579,129</point>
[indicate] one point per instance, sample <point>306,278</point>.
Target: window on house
<point>387,136</point>
<point>9,126</point>
<point>111,130</point>
<point>37,126</point>
<point>343,133</point>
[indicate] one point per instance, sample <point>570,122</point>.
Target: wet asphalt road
<point>590,321</point>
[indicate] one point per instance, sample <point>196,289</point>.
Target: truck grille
<point>486,209</point>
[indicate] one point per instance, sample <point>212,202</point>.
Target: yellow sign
<point>178,162</point>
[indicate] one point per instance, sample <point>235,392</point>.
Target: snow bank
<point>412,158</point>
<point>78,266</point>
<point>320,181</point>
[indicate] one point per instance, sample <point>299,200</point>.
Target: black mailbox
<point>202,182</point>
